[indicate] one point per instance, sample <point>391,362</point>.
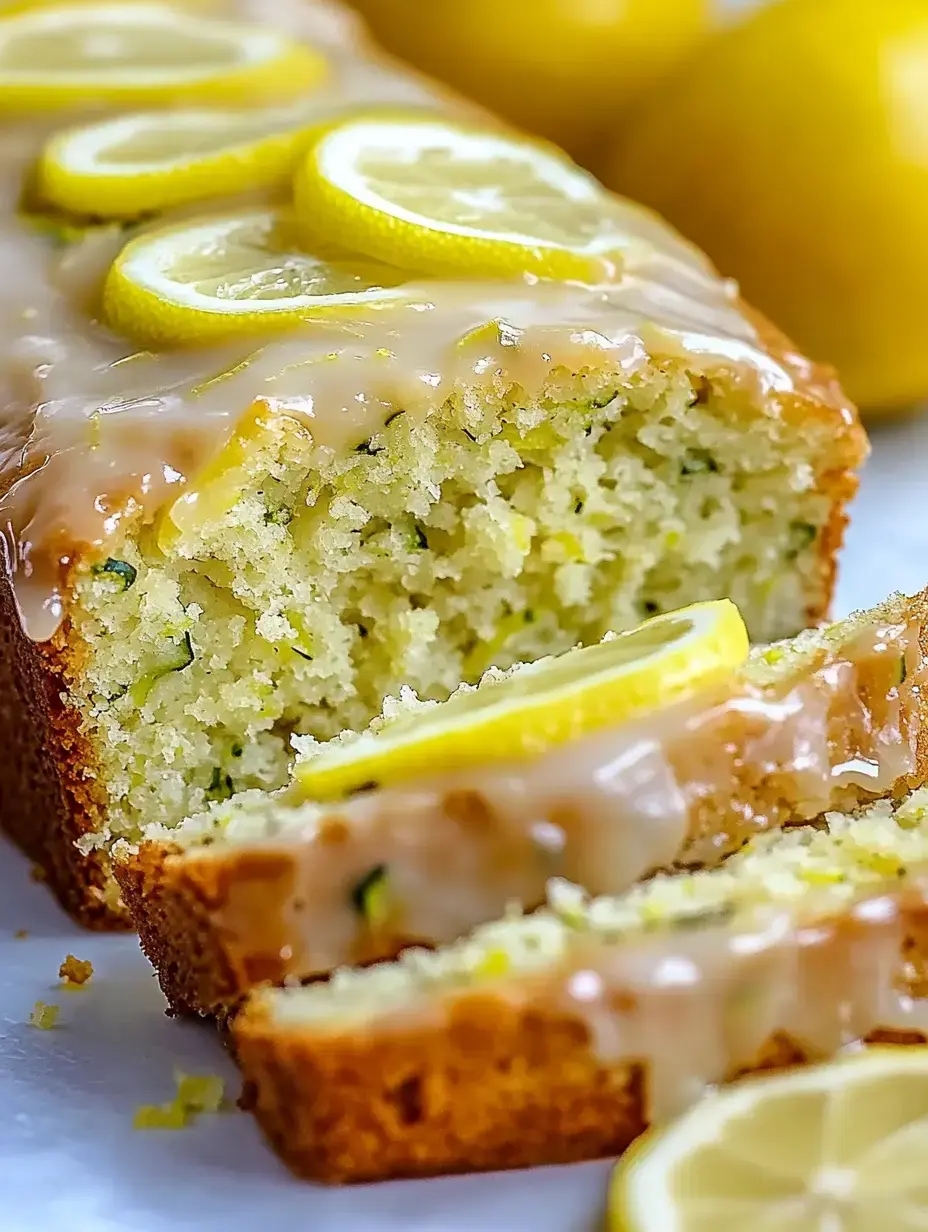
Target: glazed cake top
<point>95,430</point>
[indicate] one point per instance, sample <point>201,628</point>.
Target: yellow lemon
<point>840,1147</point>
<point>231,276</point>
<point>137,54</point>
<point>448,198</point>
<point>148,161</point>
<point>794,149</point>
<point>564,68</point>
<point>540,705</point>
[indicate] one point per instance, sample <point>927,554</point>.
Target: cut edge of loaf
<point>57,798</point>
<point>468,1067</point>
<point>48,798</point>
<point>177,901</point>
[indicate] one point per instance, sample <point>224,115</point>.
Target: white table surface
<point>69,1159</point>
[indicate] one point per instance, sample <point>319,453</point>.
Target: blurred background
<point>789,139</point>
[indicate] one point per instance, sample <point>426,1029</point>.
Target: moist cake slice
<point>215,546</point>
<point>561,1036</point>
<point>262,889</point>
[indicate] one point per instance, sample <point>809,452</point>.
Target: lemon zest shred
<point>196,1094</point>
<point>44,1017</point>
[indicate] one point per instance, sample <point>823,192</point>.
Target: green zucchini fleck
<point>220,787</point>
<point>279,517</point>
<point>698,462</point>
<point>903,669</point>
<point>119,570</point>
<point>597,404</point>
<point>303,654</point>
<point>369,449</point>
<point>421,540</point>
<point>237,750</point>
<point>801,535</point>
<point>183,657</point>
<point>370,896</point>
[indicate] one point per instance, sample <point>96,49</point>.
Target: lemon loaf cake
<point>262,889</point>
<point>315,388</point>
<point>561,1036</point>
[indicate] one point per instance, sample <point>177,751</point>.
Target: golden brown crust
<point>47,798</point>
<point>819,405</point>
<point>200,967</point>
<point>218,926</point>
<point>494,1084</point>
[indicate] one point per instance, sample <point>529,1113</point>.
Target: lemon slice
<point>138,54</point>
<point>540,705</point>
<point>430,194</point>
<point>153,160</point>
<point>230,276</point>
<point>836,1148</point>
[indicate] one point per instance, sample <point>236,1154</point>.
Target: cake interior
<point>494,529</point>
<point>256,816</point>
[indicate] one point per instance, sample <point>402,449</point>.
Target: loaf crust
<point>48,796</point>
<point>494,1085</point>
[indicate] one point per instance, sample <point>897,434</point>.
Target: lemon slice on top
<point>540,705</point>
<point>836,1148</point>
<point>443,197</point>
<point>144,54</point>
<point>153,160</point>
<point>231,276</point>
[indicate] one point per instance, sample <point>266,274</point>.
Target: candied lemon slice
<point>431,194</point>
<point>153,160</point>
<point>230,276</point>
<point>540,705</point>
<point>144,54</point>
<point>839,1147</point>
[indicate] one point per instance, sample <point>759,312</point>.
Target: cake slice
<point>561,1036</point>
<point>265,890</point>
<point>215,543</point>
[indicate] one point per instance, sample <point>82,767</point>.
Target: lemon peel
<point>427,193</point>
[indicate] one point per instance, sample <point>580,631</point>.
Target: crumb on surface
<point>43,1016</point>
<point>37,873</point>
<point>196,1094</point>
<point>21,934</point>
<point>160,1116</point>
<point>75,972</point>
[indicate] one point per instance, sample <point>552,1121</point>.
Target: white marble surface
<point>69,1160</point>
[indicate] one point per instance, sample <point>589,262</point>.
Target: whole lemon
<point>561,68</point>
<point>794,149</point>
